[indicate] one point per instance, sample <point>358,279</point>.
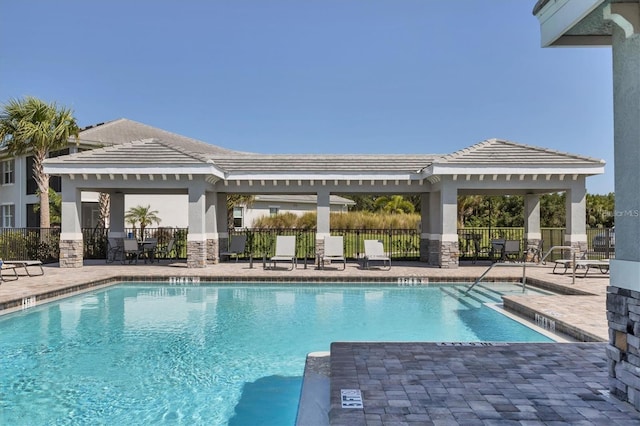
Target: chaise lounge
<point>285,251</point>
<point>333,251</point>
<point>374,251</point>
<point>26,264</point>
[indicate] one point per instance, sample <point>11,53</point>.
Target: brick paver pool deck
<point>424,383</point>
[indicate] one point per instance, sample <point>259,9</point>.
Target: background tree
<point>394,204</point>
<point>600,210</point>
<point>468,205</point>
<point>55,207</point>
<point>104,203</point>
<point>142,215</point>
<point>31,125</point>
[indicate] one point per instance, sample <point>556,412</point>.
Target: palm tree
<point>104,201</point>
<point>31,125</point>
<point>396,204</point>
<point>143,215</point>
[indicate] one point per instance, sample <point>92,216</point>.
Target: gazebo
<point>139,159</point>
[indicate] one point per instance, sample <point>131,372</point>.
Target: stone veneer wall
<point>71,253</point>
<point>424,250</point>
<point>449,254</point>
<point>442,254</point>
<point>623,352</point>
<point>580,248</point>
<point>196,254</point>
<point>213,252</point>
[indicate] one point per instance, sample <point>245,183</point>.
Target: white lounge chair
<point>333,251</point>
<point>26,264</point>
<point>285,251</point>
<point>601,265</point>
<point>567,263</point>
<point>374,251</point>
<point>236,247</point>
<point>6,267</point>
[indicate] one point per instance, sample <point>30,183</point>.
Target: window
<point>8,212</point>
<point>238,221</point>
<point>8,172</point>
<point>273,211</point>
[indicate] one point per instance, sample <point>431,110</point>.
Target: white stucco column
<point>576,216</point>
<point>197,237</point>
<point>116,215</point>
<point>425,225</point>
<point>444,226</point>
<point>323,213</point>
<point>211,226</point>
<point>532,233</point>
<point>623,293</point>
<point>625,269</point>
<point>71,245</point>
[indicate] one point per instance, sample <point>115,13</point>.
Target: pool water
<point>211,354</point>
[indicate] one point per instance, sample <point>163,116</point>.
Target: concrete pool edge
<point>314,404</point>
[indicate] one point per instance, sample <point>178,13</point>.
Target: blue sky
<point>315,76</point>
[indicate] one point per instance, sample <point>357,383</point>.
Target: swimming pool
<point>212,354</point>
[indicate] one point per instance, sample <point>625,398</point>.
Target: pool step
<point>471,300</point>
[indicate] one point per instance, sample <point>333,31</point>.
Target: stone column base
<point>71,253</point>
<point>580,248</point>
<point>213,249</point>
<point>531,247</point>
<point>443,254</point>
<point>196,254</point>
<point>623,352</point>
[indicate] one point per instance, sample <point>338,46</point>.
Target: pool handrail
<point>524,277</point>
<point>524,266</point>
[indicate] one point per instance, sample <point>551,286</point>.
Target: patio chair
<point>374,251</point>
<point>131,250</point>
<point>236,247</point>
<point>567,263</point>
<point>333,251</point>
<point>115,249</point>
<point>5,267</point>
<point>27,265</point>
<point>601,265</point>
<point>511,250</point>
<point>164,252</point>
<point>148,248</point>
<point>285,251</point>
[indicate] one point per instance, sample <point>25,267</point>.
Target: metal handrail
<point>554,248</point>
<point>524,266</point>
<point>573,259</point>
<point>524,277</point>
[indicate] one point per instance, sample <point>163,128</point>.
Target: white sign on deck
<point>351,398</point>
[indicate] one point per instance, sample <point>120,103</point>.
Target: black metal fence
<point>30,243</point>
<point>402,244</point>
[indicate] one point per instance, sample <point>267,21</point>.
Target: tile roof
<point>124,130</point>
<point>323,163</point>
<point>160,148</point>
<point>506,153</point>
<point>139,152</point>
